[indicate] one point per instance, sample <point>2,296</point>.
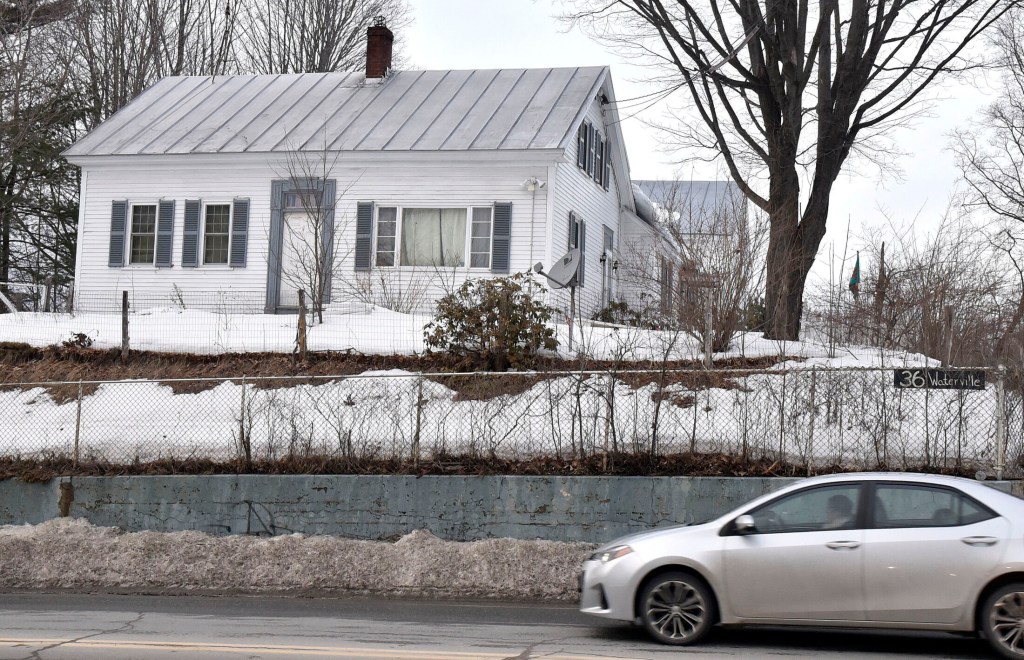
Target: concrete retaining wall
<point>592,509</point>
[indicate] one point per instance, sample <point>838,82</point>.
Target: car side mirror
<point>745,524</point>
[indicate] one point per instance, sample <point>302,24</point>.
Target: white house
<point>202,189</point>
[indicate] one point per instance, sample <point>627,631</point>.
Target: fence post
<point>1002,432</point>
<point>927,431</point>
<point>610,402</point>
<point>707,329</point>
<point>124,326</point>
<point>300,337</point>
<point>48,291</point>
<point>813,412</point>
<point>419,416</point>
<point>78,424</point>
<point>243,436</point>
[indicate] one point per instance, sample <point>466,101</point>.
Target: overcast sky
<point>485,34</point>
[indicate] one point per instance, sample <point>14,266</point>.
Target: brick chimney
<point>378,49</point>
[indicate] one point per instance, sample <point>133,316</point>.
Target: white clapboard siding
<point>222,178</point>
<point>640,270</point>
<point>576,191</point>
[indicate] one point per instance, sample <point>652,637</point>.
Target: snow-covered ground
<point>71,555</point>
<point>827,405</point>
<point>378,331</point>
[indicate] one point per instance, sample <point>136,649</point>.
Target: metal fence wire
<point>821,418</point>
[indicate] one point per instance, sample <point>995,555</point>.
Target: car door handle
<point>980,540</point>
<point>843,545</point>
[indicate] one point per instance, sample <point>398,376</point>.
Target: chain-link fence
<point>821,419</point>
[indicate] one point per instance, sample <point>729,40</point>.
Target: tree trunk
<point>786,272</point>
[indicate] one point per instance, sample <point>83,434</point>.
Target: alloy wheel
<point>676,610</point>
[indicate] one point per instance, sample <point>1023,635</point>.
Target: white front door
<point>298,260</point>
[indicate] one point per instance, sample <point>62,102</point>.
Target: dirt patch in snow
<point>20,363</point>
<point>71,555</point>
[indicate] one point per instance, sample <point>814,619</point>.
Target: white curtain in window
<point>434,237</point>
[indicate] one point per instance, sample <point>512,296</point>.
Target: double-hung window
<point>480,246</point>
<point>216,233</point>
<point>433,237</point>
<point>143,234</point>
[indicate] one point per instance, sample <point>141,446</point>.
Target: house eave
<point>347,159</point>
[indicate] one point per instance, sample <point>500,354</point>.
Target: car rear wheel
<point>1002,619</point>
<point>676,608</point>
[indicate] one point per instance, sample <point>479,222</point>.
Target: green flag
<point>855,278</point>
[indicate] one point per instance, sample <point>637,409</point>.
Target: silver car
<point>876,550</point>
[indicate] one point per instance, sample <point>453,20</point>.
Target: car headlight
<point>605,556</point>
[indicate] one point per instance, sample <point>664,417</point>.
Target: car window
<point>907,505</point>
<point>822,508</point>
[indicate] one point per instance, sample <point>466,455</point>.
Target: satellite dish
<point>565,271</point>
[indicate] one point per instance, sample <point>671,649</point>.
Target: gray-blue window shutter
<point>364,235</point>
<point>118,222</point>
<point>606,175</point>
<point>581,146</point>
<point>583,252</point>
<point>501,239</point>
<point>573,235</point>
<point>164,233</point>
<point>190,235</point>
<point>239,232</point>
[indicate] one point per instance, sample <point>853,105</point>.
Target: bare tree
<point>991,157</point>
<point>711,260</point>
<point>787,90</point>
<point>312,36</point>
<point>38,118</point>
<point>312,249</point>
<point>723,269</point>
<point>946,294</point>
<point>16,15</point>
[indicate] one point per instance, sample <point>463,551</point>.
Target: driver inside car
<point>838,512</point>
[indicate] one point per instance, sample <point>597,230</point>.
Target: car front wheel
<point>676,608</point>
<point>1003,620</point>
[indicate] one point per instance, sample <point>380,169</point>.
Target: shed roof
<point>505,109</point>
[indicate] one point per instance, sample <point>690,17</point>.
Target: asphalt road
<point>59,627</point>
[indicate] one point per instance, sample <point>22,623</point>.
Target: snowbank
<point>72,555</point>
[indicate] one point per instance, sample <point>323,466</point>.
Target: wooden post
<point>1002,425</point>
<point>948,330</point>
<point>78,424</point>
<point>124,326</point>
<point>419,415</point>
<point>707,328</point>
<point>301,337</point>
<point>48,293</point>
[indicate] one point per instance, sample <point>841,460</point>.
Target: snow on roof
<point>692,200</point>
<point>410,111</point>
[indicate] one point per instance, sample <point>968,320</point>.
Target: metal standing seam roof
<point>410,111</point>
<point>693,200</point>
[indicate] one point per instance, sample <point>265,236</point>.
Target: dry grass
<point>596,464</point>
